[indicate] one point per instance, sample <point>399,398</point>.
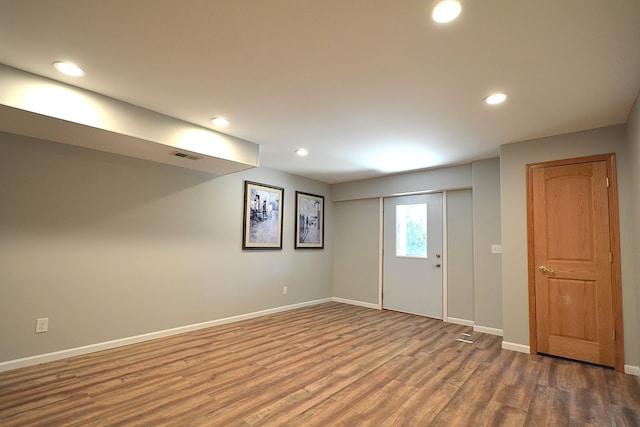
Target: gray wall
<point>460,295</point>
<point>109,247</point>
<point>633,137</point>
<point>356,250</point>
<point>487,266</point>
<point>513,160</point>
<point>356,241</point>
<point>449,178</point>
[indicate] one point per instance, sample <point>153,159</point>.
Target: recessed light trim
<point>68,68</point>
<point>446,11</point>
<point>495,98</point>
<point>220,121</point>
<point>301,152</point>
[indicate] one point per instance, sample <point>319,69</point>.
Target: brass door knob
<point>545,269</point>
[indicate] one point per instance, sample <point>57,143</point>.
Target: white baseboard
<point>516,347</point>
<point>476,328</point>
<point>487,330</point>
<point>463,322</point>
<point>63,354</point>
<point>354,302</point>
<point>632,370</point>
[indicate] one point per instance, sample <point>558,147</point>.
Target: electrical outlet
<point>496,249</point>
<point>42,325</point>
<point>285,290</point>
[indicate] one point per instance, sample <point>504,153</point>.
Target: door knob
<point>545,269</point>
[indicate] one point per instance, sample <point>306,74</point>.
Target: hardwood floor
<point>326,365</point>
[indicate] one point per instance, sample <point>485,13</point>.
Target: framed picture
<point>262,224</point>
<point>309,221</point>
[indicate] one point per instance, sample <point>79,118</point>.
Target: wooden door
<point>574,293</point>
<point>412,264</point>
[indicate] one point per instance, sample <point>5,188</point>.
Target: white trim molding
<point>463,322</point>
<point>476,328</point>
<point>516,347</point>
<point>63,354</point>
<point>632,370</point>
<point>488,330</point>
<point>380,251</point>
<point>358,303</point>
<point>445,258</point>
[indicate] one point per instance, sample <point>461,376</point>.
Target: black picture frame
<point>309,221</point>
<point>262,216</point>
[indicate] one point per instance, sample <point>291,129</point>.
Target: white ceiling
<point>369,87</point>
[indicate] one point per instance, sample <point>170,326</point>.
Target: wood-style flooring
<point>326,365</point>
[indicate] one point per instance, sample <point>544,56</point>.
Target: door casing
<point>614,231</point>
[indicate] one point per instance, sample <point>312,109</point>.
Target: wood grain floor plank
<point>517,389</point>
<point>62,412</point>
<point>549,407</point>
<point>421,407</point>
<point>374,407</point>
<point>325,365</point>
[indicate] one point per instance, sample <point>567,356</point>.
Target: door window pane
<point>411,230</point>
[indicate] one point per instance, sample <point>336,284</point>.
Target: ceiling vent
<point>186,155</point>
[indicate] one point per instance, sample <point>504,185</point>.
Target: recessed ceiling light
<point>68,68</point>
<point>219,121</point>
<point>301,152</point>
<point>495,98</point>
<point>446,11</point>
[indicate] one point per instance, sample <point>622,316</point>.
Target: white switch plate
<point>42,325</point>
<point>496,249</point>
<point>285,290</point>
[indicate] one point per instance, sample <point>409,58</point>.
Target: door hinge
<point>607,182</point>
<point>614,334</point>
<point>610,257</point>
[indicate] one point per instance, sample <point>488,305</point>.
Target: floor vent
<point>466,338</point>
<point>186,155</point>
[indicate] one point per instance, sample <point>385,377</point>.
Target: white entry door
<point>412,264</point>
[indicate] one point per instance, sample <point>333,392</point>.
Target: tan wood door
<point>572,261</point>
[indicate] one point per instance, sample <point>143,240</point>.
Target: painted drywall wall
<point>450,178</point>
<point>487,266</point>
<point>39,107</point>
<point>513,160</point>
<point>460,300</point>
<point>463,299</point>
<point>356,250</point>
<point>633,139</point>
<point>108,246</point>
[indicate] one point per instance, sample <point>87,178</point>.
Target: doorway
<point>412,255</point>
<point>575,308</point>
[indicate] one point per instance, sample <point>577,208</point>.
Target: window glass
<point>411,230</point>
